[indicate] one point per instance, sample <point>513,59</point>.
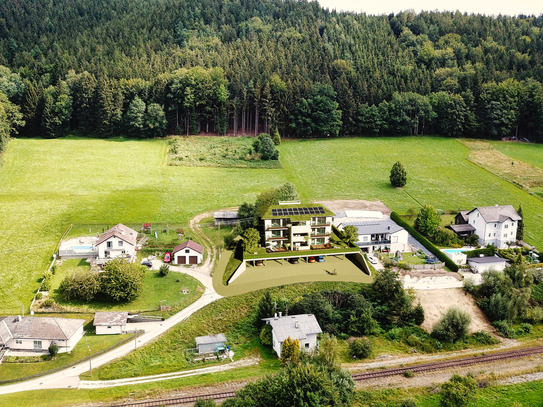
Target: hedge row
<point>425,242</point>
<point>487,251</point>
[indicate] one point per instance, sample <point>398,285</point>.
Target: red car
<point>167,257</point>
<point>312,259</point>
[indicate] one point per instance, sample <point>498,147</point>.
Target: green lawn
<point>97,343</point>
<point>48,184</point>
<point>156,288</point>
<point>527,152</point>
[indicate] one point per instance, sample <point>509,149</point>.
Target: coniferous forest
<point>146,68</point>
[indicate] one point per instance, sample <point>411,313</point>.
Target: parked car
<point>320,259</point>
<point>373,259</point>
<point>311,259</point>
<point>259,263</point>
<point>147,263</point>
<point>167,257</point>
<point>294,260</point>
<point>431,260</point>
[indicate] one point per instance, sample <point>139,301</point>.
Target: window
<point>365,239</point>
<point>506,226</point>
<point>18,341</point>
<point>120,243</point>
<point>307,345</point>
<point>37,344</point>
<point>108,327</point>
<point>511,233</point>
<point>109,245</point>
<point>477,215</point>
<point>474,221</point>
<point>187,250</point>
<point>490,234</point>
<point>495,225</point>
<point>494,234</point>
<point>505,235</point>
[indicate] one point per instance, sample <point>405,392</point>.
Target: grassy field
<point>97,343</point>
<point>230,152</point>
<point>48,184</point>
<point>156,288</point>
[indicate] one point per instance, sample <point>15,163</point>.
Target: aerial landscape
<point>270,203</point>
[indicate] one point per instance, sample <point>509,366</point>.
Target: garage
<point>193,259</point>
<point>188,252</point>
<point>181,260</point>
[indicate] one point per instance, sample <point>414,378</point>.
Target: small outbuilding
<point>110,322</point>
<point>486,263</point>
<point>188,252</point>
<point>226,218</point>
<point>210,343</point>
<point>303,327</point>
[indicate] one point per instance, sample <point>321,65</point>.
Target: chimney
<point>481,255</point>
<point>280,314</point>
<point>275,315</point>
<point>19,318</point>
<point>296,324</point>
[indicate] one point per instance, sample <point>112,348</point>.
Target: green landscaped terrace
<point>275,273</point>
<point>262,253</point>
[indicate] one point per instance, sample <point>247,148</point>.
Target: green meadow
<point>48,184</point>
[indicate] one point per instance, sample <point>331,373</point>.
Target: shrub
<point>453,326</point>
<point>49,302</point>
<point>504,328</point>
<point>444,237</point>
<point>229,240</point>
<point>266,337</point>
<point>534,315</point>
<point>457,392</point>
<point>398,175</point>
<point>526,328</point>
<point>413,341</point>
<point>46,282</point>
<point>469,286</point>
<point>121,280</point>
<point>484,338</point>
<point>403,265</point>
<point>418,314</point>
<point>53,349</point>
<point>267,148</point>
<point>39,296</point>
<point>408,403</point>
<point>408,373</point>
<point>164,270</point>
<point>361,348</point>
<point>81,285</point>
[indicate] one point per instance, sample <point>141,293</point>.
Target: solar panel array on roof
<point>368,223</point>
<point>317,210</point>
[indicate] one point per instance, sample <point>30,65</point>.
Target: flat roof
<point>324,211</point>
<point>486,259</point>
<point>209,339</point>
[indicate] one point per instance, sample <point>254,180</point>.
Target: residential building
<point>119,241</point>
<point>107,323</point>
<point>298,225</point>
<point>495,225</point>
<point>188,252</point>
<point>303,327</point>
<point>486,263</point>
<point>36,334</point>
<point>384,235</point>
<point>210,343</point>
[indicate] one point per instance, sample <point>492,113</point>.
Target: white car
<point>373,260</point>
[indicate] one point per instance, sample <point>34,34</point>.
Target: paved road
<point>69,378</point>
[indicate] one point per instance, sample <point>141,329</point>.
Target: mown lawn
<point>48,184</point>
<point>97,343</point>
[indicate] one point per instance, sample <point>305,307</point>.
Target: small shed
<point>486,263</point>
<point>147,227</point>
<point>188,252</point>
<point>110,322</point>
<point>226,218</point>
<point>210,343</point>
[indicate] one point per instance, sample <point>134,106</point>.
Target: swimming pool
<point>86,248</point>
<point>455,251</point>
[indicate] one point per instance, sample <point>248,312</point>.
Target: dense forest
<point>146,68</point>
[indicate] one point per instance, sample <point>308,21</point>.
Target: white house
<point>380,235</point>
<point>119,241</point>
<point>495,225</point>
<point>486,263</point>
<point>188,252</point>
<point>110,322</point>
<point>303,327</point>
<point>298,225</point>
<point>36,334</point>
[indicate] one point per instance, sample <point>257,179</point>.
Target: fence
<point>426,266</point>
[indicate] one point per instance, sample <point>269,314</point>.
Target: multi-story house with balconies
<point>495,225</point>
<point>297,226</point>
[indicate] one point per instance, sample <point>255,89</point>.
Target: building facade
<point>380,235</point>
<point>303,327</point>
<point>495,225</point>
<point>188,252</point>
<point>119,241</point>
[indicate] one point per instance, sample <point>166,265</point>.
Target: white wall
<point>116,250</point>
<point>104,330</point>
<point>482,267</point>
<point>496,233</point>
<point>191,252</point>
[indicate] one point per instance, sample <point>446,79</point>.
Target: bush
<point>361,348</point>
<point>484,338</point>
<point>418,314</point>
<point>445,237</point>
<point>81,285</point>
<point>164,270</point>
<point>121,280</point>
<point>526,328</point>
<point>267,148</point>
<point>408,373</point>
<point>46,282</point>
<point>266,337</point>
<point>413,341</point>
<point>453,326</point>
<point>49,302</point>
<point>425,242</point>
<point>534,315</point>
<point>505,329</point>
<point>469,286</point>
<point>39,296</point>
<point>458,391</point>
<point>408,403</point>
<point>53,349</point>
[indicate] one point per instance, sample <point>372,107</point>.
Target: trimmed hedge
<point>425,242</point>
<point>487,251</point>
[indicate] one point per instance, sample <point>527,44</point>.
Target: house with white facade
<point>384,235</point>
<point>495,225</point>
<point>486,263</point>
<point>297,225</point>
<point>36,334</point>
<point>303,327</point>
<point>119,241</point>
<point>108,323</point>
<point>188,252</point>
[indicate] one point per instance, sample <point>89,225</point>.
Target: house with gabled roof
<point>119,241</point>
<point>495,225</point>
<point>188,252</point>
<point>303,327</point>
<point>110,322</point>
<point>36,333</point>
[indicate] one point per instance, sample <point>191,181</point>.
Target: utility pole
<point>219,239</point>
<point>90,363</point>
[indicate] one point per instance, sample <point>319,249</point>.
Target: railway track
<point>427,367</point>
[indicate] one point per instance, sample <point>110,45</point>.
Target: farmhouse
<point>495,225</point>
<point>298,225</point>
<point>110,322</point>
<point>119,241</point>
<point>36,334</point>
<point>385,235</point>
<point>486,263</point>
<point>210,343</point>
<point>188,252</point>
<point>303,327</point>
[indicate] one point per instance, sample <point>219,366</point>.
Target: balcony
<point>275,238</point>
<point>373,242</point>
<point>277,227</point>
<point>314,224</point>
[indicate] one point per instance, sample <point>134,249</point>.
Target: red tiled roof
<point>191,245</point>
<point>129,236</point>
